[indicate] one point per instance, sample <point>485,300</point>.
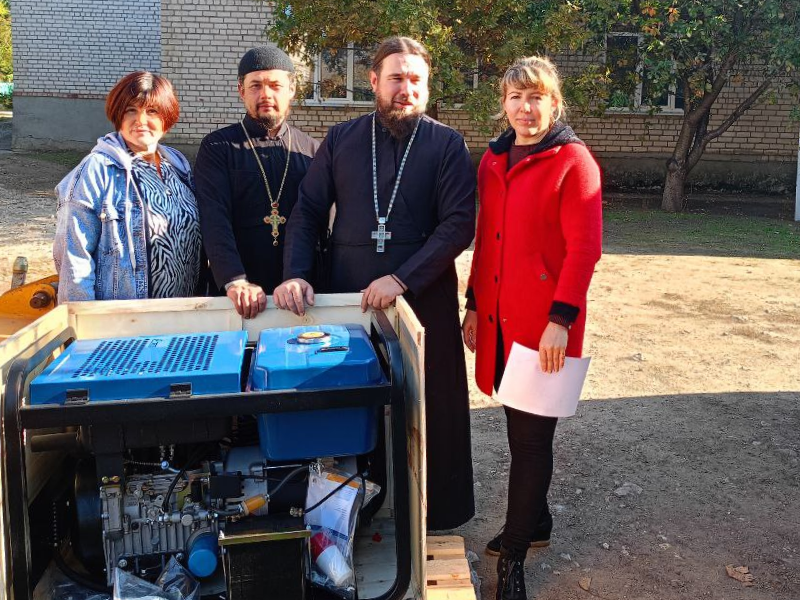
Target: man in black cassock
<point>404,240</point>
<point>247,175</point>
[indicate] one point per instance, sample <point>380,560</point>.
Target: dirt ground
<point>684,456</point>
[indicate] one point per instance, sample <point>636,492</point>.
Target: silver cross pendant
<point>381,235</point>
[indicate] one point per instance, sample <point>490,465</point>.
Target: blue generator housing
<point>143,367</point>
<point>316,357</point>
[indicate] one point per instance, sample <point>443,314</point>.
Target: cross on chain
<point>381,235</point>
<point>274,219</point>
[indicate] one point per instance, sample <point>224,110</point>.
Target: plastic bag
<point>129,587</point>
<point>177,582</point>
<point>332,520</point>
<point>54,584</point>
<point>174,583</point>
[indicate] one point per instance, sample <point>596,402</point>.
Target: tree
<point>6,68</point>
<point>696,48</point>
<point>462,36</point>
<point>693,48</point>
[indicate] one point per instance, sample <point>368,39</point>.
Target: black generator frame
<point>112,415</point>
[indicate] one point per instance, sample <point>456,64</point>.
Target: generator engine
<point>224,493</point>
<point>138,529</point>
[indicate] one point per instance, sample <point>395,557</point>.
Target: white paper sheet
<point>526,387</point>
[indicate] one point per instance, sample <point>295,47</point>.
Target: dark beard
<point>399,124</point>
<point>271,122</point>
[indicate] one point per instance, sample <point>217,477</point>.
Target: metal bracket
<point>180,390</point>
<point>77,397</point>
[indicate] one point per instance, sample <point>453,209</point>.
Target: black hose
<point>196,455</point>
<point>83,580</point>
<point>285,479</point>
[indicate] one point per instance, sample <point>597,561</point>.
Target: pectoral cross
<point>381,235</point>
<point>274,219</point>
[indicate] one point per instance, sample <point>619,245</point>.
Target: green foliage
<point>461,35</point>
<point>693,49</point>
<point>6,68</point>
<point>693,46</point>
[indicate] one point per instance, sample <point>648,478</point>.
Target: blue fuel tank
<point>143,367</point>
<point>321,357</point>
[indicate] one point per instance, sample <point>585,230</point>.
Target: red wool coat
<point>538,240</point>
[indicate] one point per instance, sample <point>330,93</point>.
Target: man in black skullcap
<point>247,176</point>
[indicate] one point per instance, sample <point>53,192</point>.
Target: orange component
<point>26,303</point>
<point>253,504</point>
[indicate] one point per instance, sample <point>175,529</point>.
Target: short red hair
<point>146,90</point>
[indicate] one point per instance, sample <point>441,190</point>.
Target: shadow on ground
<point>729,202</point>
<point>718,475</point>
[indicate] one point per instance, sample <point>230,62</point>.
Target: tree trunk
<point>672,199</point>
<point>433,110</point>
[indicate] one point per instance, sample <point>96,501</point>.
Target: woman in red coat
<point>539,237</point>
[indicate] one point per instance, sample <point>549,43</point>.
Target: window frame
<point>638,107</point>
<point>319,100</point>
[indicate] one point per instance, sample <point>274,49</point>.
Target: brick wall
<point>765,133</point>
<point>78,48</point>
<point>201,44</point>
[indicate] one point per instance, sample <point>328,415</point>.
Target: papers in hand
<point>526,387</point>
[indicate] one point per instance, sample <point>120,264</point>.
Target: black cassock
<point>233,200</point>
<point>431,223</point>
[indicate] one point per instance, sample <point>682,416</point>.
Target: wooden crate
<point>447,575</point>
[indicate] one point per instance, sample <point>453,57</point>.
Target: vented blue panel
<point>144,367</point>
<point>339,355</point>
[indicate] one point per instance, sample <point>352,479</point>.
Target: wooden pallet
<point>447,571</point>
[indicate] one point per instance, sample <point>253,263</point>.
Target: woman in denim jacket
<point>128,224</point>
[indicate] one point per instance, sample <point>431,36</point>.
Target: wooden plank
<point>10,348</point>
<point>464,593</point>
<point>374,562</point>
<point>446,540</point>
<point>441,547</point>
<point>331,309</point>
<point>448,570</point>
<point>448,575</point>
<point>167,316</point>
<point>412,341</point>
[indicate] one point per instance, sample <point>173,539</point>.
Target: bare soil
<point>684,456</point>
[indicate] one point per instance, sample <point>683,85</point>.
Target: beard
<point>271,120</point>
<point>399,122</point>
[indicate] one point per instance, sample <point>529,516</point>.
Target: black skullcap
<point>265,58</point>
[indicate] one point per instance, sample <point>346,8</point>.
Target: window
<point>341,76</point>
<point>629,85</point>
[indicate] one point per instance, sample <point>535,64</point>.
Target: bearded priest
<point>403,188</point>
<point>247,175</point>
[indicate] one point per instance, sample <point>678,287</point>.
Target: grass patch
<point>67,158</point>
<point>656,232</point>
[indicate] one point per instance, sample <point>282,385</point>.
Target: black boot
<point>541,535</point>
<point>511,575</point>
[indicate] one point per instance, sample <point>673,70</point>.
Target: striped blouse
<point>172,222</point>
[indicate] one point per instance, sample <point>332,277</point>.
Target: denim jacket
<point>100,246</point>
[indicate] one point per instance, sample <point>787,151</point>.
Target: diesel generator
<point>140,436</point>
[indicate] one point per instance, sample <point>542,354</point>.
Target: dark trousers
<point>530,440</point>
